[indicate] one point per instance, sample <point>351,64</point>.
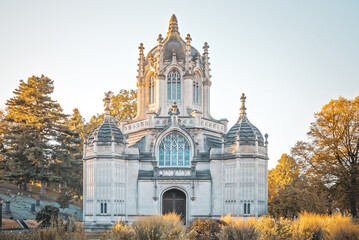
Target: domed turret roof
<point>107,131</point>
<point>244,130</point>
<point>173,43</point>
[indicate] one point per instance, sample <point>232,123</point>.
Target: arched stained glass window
<point>174,86</point>
<point>151,90</point>
<point>174,151</point>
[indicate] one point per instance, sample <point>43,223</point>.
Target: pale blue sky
<point>289,57</point>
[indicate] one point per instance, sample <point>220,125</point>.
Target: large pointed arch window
<point>174,150</point>
<point>174,86</point>
<point>151,90</point>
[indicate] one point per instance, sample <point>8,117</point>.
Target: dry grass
<point>169,227</point>
<point>316,226</point>
<point>10,224</point>
<point>33,223</point>
<point>166,227</point>
<point>238,229</point>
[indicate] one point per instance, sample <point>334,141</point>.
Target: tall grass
<point>309,226</point>
<point>316,227</point>
<point>166,227</point>
<point>238,229</point>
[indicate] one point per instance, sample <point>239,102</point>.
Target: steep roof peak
<point>173,26</point>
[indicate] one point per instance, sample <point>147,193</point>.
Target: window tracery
<point>174,150</point>
<point>174,86</point>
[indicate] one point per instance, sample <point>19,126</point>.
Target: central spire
<point>173,27</point>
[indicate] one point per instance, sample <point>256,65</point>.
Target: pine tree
<point>37,141</point>
<point>76,125</point>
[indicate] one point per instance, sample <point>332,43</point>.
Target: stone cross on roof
<point>188,39</point>
<point>243,107</point>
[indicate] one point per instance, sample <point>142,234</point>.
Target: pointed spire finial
<point>188,39</point>
<point>243,107</point>
<point>160,39</point>
<point>205,47</point>
<point>173,27</point>
<point>107,109</point>
<point>141,48</point>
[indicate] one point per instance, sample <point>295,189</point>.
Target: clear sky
<point>290,57</point>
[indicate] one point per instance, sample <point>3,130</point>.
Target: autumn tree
<point>38,144</point>
<point>331,159</point>
<point>294,199</point>
<point>123,106</point>
<point>285,173</point>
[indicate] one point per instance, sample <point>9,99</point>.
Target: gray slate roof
<point>103,133</point>
<point>246,131</point>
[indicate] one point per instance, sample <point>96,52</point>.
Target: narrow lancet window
<point>195,92</point>
<point>174,86</point>
<point>151,90</point>
<point>174,150</point>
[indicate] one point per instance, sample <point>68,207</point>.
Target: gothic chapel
<point>174,157</point>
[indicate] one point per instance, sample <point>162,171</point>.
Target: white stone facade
<point>174,156</point>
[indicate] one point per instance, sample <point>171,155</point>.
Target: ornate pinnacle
<point>243,107</point>
<point>141,61</point>
<point>141,49</point>
<point>174,109</point>
<point>160,39</point>
<point>107,108</point>
<point>188,39</point>
<point>205,47</point>
<point>173,27</point>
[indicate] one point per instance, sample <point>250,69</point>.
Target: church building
<point>174,156</point>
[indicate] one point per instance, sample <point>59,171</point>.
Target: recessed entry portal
<point>174,201</point>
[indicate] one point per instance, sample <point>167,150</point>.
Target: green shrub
<point>46,214</point>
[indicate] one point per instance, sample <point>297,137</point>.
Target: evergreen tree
<point>38,144</point>
<point>76,124</point>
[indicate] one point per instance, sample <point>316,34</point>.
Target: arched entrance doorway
<point>174,201</point>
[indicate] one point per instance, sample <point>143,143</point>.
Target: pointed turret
<point>173,27</point>
<point>244,132</point>
<point>141,63</point>
<point>206,61</point>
